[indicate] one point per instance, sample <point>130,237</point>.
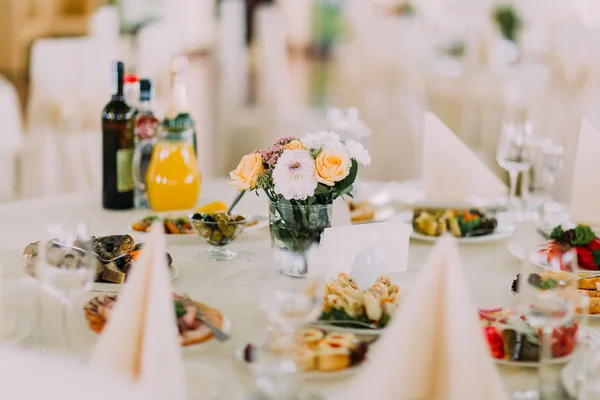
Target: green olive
<point>222,225</point>
<point>217,235</point>
<point>229,231</point>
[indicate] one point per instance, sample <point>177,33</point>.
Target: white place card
<point>365,251</point>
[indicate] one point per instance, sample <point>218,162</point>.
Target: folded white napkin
<point>585,192</point>
<point>450,170</point>
<point>434,348</point>
<point>141,338</point>
<point>25,375</point>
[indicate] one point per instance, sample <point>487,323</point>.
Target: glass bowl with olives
<point>218,230</point>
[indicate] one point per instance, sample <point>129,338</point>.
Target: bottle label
<point>124,170</point>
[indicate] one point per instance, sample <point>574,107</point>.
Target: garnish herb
<point>180,310</point>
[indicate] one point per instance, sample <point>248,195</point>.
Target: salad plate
<point>498,233</point>
<point>318,354</point>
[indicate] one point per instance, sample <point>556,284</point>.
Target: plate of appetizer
<point>513,341</point>
<point>318,354</point>
<point>362,212</point>
<point>348,309</point>
<point>178,229</point>
<point>467,226</point>
<point>191,330</point>
<point>587,286</point>
<point>109,276</point>
<point>581,238</point>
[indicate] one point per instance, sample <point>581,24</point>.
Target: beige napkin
<point>434,348</point>
<point>141,338</point>
<point>585,192</point>
<point>25,375</point>
<point>450,170</point>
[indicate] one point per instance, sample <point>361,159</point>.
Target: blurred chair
<point>70,84</point>
<point>12,139</point>
<point>283,81</point>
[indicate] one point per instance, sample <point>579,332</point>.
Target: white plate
<point>533,364</point>
<point>411,194</point>
<point>499,233</point>
<point>313,375</point>
<point>115,287</point>
<point>356,331</point>
<point>192,238</point>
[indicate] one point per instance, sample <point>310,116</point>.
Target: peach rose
<point>245,175</point>
<point>295,145</point>
<point>332,166</point>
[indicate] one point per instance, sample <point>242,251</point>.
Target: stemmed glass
<point>513,154</point>
<point>547,162</point>
<point>549,308</point>
<point>66,267</point>
<point>288,304</point>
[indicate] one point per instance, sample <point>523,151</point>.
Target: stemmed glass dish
<point>66,267</point>
<point>218,230</point>
<point>549,307</point>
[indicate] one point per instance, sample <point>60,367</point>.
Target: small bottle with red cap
<point>131,89</point>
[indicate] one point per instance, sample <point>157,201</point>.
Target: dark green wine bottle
<point>117,147</point>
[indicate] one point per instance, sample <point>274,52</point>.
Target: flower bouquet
<point>301,178</point>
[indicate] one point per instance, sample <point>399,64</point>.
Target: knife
<point>219,334</point>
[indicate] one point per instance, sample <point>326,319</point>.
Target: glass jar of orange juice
<point>173,178</point>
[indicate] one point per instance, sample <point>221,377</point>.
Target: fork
<point>219,334</point>
<point>348,322</point>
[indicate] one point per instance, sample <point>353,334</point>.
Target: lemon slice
<point>213,208</point>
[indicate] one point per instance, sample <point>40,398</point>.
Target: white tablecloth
<point>232,286</point>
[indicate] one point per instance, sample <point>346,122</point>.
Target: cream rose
<point>245,175</point>
<point>332,166</point>
<point>295,145</point>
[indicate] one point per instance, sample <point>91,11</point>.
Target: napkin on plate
<point>141,338</point>
<point>585,192</point>
<point>435,347</point>
<point>450,170</point>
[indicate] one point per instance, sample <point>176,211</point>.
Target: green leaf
<point>349,180</point>
<point>583,235</point>
<point>322,189</point>
<point>596,257</point>
<point>340,193</point>
<point>180,310</point>
<point>557,233</point>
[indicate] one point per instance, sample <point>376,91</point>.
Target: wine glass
<point>513,153</point>
<point>549,306</point>
<point>140,162</point>
<point>549,163</point>
<point>66,267</point>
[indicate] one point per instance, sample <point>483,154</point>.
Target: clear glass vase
<point>294,229</point>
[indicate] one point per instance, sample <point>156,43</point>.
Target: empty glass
<point>65,267</point>
<point>547,162</point>
<point>513,153</point>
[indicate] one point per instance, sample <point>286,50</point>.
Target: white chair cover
<point>12,139</point>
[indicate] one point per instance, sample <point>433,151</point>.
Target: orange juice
<point>173,177</point>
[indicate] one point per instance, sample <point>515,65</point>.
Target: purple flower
<point>282,141</point>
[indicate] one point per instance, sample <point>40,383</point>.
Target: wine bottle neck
<point>118,75</point>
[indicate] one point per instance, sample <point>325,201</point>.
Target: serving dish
<point>114,256</point>
<point>317,353</point>
<point>438,224</point>
<point>191,329</point>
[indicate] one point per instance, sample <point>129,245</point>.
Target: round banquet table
<point>230,286</point>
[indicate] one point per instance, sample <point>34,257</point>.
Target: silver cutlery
<point>91,251</point>
<point>348,322</point>
<point>543,234</point>
<point>219,334</point>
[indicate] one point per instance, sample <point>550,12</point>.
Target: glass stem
<point>39,320</point>
<point>512,199</point>
<point>65,323</point>
<point>549,387</point>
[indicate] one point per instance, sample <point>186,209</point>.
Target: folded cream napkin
<point>450,170</point>
<point>25,375</point>
<point>434,348</point>
<point>141,338</point>
<point>585,192</point>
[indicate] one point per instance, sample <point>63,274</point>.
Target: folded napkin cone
<point>434,348</point>
<point>141,338</point>
<point>450,170</point>
<point>585,192</point>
